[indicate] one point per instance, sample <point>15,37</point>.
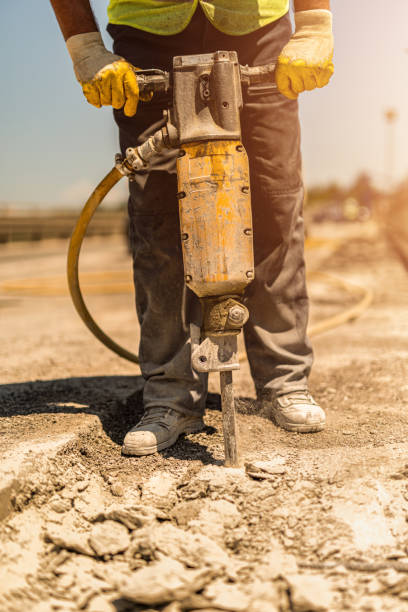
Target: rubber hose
<point>75,244</point>
<point>347,315</point>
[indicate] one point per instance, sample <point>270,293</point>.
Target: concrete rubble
<point>310,524</point>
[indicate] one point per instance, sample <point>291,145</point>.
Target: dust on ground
<point>313,522</point>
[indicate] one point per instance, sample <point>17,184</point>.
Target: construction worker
<point>148,34</point>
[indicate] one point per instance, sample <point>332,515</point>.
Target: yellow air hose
<point>75,244</point>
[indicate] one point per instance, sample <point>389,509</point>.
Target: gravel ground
<point>313,522</point>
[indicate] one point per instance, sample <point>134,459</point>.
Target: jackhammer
<point>203,124</point>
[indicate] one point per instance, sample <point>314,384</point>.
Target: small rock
<point>192,549</point>
<point>159,486</point>
<point>117,489</point>
<point>133,516</point>
<point>187,511</point>
<point>59,504</point>
<point>346,432</point>
<point>164,582</point>
<point>310,593</point>
<point>70,540</point>
<point>215,518</point>
<point>109,538</point>
<point>264,470</point>
<point>82,485</point>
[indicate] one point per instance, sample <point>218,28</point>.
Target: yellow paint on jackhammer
<point>215,217</point>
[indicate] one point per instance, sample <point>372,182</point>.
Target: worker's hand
<point>306,61</point>
<point>107,79</point>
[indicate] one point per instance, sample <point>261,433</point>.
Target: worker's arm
<point>306,61</point>
<point>106,79</point>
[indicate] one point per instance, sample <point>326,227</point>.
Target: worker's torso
<point>166,17</point>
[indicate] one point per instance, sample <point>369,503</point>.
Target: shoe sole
<point>299,427</point>
<point>150,450</point>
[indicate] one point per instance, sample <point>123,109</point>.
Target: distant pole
<point>390,116</point>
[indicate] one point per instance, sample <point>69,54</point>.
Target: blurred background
<point>56,148</point>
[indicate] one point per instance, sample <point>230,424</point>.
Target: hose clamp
<point>124,167</point>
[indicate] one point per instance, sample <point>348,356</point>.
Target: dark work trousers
<point>279,352</point>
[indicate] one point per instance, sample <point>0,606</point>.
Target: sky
<point>55,147</point>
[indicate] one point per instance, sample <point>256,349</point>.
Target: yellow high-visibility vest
<point>166,17</point>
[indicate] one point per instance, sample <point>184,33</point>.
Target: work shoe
<point>296,411</point>
<point>159,428</point>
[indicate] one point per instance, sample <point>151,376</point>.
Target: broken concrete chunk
<point>187,511</point>
<point>164,582</point>
<point>133,516</point>
<point>109,538</point>
<point>219,478</point>
<point>192,549</point>
<point>117,489</point>
<point>160,486</point>
<point>60,504</point>
<point>70,540</point>
<point>215,517</point>
<point>220,511</point>
<point>310,593</point>
<point>264,470</point>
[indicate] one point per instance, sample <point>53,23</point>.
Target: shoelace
<point>154,415</point>
<point>302,395</point>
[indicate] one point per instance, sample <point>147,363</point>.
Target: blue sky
<point>55,147</point>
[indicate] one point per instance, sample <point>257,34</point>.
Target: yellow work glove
<point>306,61</point>
<point>107,79</point>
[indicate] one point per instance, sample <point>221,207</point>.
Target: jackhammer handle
<point>255,75</point>
<point>158,81</point>
<point>152,80</point>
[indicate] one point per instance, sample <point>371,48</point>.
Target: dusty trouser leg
<point>279,352</point>
<point>164,306</point>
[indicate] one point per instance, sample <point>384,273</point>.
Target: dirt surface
<point>312,523</point>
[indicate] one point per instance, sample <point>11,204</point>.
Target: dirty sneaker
<point>157,429</point>
<point>296,411</point>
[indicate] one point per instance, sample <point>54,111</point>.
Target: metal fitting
<point>139,157</point>
<point>238,316</point>
<point>123,166</point>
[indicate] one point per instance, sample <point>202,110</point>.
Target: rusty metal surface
<point>207,97</point>
<point>229,423</point>
<point>223,316</point>
<point>215,218</point>
<point>216,354</point>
